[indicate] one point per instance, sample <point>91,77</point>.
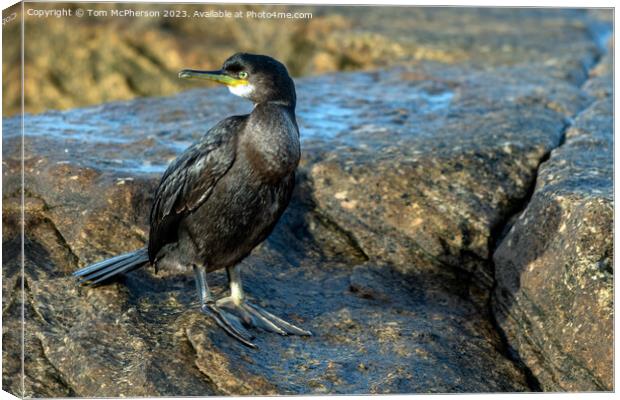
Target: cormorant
<point>223,196</point>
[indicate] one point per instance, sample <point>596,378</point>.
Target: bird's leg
<point>229,323</point>
<point>250,314</point>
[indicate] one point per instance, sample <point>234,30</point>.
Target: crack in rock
<point>541,276</point>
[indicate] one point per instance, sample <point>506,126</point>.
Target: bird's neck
<point>287,104</point>
<point>271,139</point>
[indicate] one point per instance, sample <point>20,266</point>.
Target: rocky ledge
<point>450,232</point>
<point>554,269</point>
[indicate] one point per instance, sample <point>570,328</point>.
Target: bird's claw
<point>234,318</point>
<point>254,316</point>
<point>229,323</point>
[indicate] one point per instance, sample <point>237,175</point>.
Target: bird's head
<point>255,77</point>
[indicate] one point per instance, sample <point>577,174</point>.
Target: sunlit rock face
<point>76,62</point>
<point>554,269</point>
<point>422,230</point>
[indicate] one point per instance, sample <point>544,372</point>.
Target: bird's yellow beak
<point>216,76</point>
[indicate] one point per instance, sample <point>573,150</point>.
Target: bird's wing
<point>190,179</point>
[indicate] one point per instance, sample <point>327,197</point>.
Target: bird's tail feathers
<point>107,269</point>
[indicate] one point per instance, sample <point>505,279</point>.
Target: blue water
<point>372,101</point>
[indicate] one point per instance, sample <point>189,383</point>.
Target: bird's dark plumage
<point>224,195</point>
<point>189,180</point>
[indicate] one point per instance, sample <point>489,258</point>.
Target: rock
<point>554,269</point>
<point>427,184</point>
<point>73,62</point>
<point>408,177</point>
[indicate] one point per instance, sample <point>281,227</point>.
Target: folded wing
<point>189,181</point>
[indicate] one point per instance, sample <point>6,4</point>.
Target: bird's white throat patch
<point>242,90</point>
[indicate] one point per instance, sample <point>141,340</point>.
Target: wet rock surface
<point>408,178</point>
<point>554,269</point>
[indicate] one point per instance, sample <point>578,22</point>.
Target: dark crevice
<point>75,260</point>
<point>510,353</point>
<point>498,233</point>
<point>501,229</point>
<point>348,237</point>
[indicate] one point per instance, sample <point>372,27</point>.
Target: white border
<point>475,3</point>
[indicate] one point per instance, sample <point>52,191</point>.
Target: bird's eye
<point>243,74</point>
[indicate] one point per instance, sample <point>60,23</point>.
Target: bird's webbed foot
<point>230,323</point>
<point>251,315</point>
<point>234,314</point>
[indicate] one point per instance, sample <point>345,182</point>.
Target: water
<point>367,101</point>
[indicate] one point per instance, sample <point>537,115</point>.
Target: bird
<point>224,195</point>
